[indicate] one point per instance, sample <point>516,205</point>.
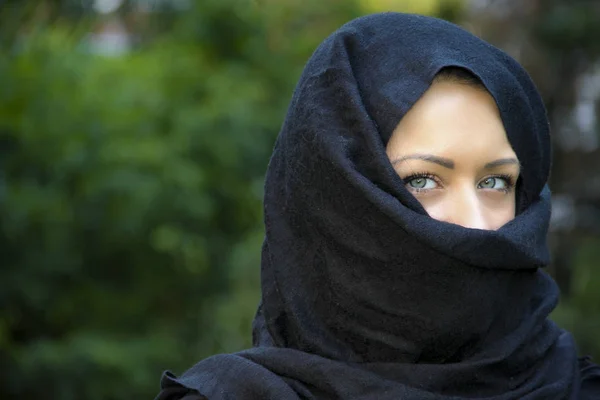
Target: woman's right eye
<point>421,182</point>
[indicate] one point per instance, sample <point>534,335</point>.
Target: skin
<point>453,154</point>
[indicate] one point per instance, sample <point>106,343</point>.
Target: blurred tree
<point>131,188</point>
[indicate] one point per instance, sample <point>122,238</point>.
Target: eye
<point>494,182</point>
<point>421,182</point>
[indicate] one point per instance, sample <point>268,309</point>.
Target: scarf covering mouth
<point>364,296</point>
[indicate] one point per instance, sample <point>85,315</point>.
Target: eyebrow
<point>447,163</point>
<point>502,161</point>
<point>444,162</point>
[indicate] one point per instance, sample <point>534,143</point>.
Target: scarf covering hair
<point>364,296</point>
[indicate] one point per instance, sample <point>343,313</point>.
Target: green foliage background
<point>131,189</point>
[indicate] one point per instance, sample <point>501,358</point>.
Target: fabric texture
<point>364,296</point>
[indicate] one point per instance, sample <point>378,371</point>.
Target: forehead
<point>452,117</point>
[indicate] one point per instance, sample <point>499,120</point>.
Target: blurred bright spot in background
<point>429,7</point>
<point>107,6</point>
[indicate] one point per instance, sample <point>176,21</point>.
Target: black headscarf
<point>364,296</point>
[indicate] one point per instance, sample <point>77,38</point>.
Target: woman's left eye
<point>494,183</point>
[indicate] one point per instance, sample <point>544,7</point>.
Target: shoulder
<point>590,379</point>
<point>179,393</point>
<point>171,389</point>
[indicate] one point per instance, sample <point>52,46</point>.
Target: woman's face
<point>452,152</point>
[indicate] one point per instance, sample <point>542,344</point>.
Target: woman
<point>406,212</point>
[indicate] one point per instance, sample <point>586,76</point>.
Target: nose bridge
<point>467,210</point>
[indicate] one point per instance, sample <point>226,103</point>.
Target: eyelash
<point>509,179</point>
<point>418,175</point>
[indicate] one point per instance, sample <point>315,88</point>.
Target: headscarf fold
<point>364,296</point>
